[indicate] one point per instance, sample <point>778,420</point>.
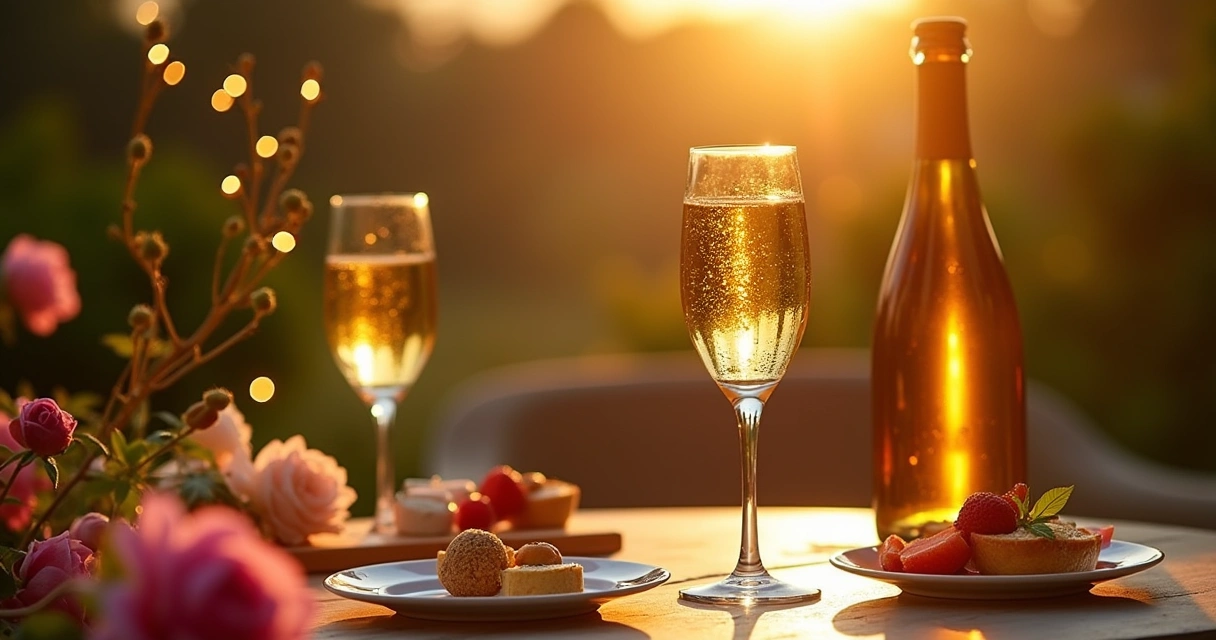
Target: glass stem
<point>384,410</point>
<point>747,411</point>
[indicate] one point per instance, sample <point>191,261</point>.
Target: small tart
<point>549,505</point>
<point>1023,552</point>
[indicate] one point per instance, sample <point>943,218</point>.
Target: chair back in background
<point>651,429</point>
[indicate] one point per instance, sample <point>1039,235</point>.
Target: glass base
<point>749,590</point>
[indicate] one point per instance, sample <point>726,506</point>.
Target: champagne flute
<point>380,309</point>
<point>744,285</point>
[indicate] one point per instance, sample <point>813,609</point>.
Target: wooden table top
<point>698,545</point>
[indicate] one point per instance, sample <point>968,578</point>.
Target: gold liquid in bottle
<point>947,376</point>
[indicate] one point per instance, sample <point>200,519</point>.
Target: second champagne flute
<point>380,310</point>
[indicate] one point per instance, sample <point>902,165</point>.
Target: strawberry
<point>945,552</point>
<point>888,553</point>
<point>474,512</point>
<point>504,487</point>
<point>1020,493</point>
<point>985,512</point>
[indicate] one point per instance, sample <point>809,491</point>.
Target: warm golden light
<point>146,13</point>
<point>267,146</point>
<point>958,462</point>
<point>158,53</point>
<point>421,200</point>
<point>221,101</point>
<point>370,238</point>
<point>261,389</point>
<point>365,362</point>
<point>283,241</point>
<point>230,185</point>
<point>310,90</point>
<point>235,85</point>
<point>335,201</point>
<point>174,72</point>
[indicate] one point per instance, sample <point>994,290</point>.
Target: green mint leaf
<point>1041,530</point>
<point>1050,503</point>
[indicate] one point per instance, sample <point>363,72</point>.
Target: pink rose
<point>298,491</point>
<point>228,439</point>
<point>40,283</point>
<point>43,427</point>
<point>26,485</point>
<point>202,575</point>
<point>47,565</point>
<point>90,529</point>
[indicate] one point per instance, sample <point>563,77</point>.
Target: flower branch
<point>151,368</point>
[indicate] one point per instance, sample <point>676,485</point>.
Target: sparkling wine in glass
<point>744,284</point>
<point>380,309</point>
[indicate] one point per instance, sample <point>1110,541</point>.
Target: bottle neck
<point>942,132</point>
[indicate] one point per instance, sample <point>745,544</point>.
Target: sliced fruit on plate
<point>941,553</point>
<point>888,553</point>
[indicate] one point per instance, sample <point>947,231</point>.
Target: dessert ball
<point>473,564</point>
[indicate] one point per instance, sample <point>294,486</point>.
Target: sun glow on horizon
<point>435,27</point>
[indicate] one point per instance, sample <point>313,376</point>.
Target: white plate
<point>411,588</point>
<point>1117,560</point>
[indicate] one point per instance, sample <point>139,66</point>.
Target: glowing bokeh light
<point>147,12</point>
<point>261,389</point>
<point>174,72</point>
<point>221,101</point>
<point>158,53</point>
<point>310,90</point>
<point>235,85</point>
<point>370,239</point>
<point>267,146</point>
<point>230,185</point>
<point>283,241</point>
<point>421,200</point>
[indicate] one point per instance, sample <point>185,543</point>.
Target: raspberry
<point>1022,492</point>
<point>985,512</point>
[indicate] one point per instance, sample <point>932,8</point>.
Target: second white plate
<point>1118,560</point>
<point>411,588</point>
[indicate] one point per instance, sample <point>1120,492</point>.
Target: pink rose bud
<point>40,282</point>
<point>90,529</point>
<point>47,565</point>
<point>42,427</point>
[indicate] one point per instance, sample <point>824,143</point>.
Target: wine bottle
<point>948,397</point>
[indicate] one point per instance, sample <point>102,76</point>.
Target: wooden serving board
<point>357,545</point>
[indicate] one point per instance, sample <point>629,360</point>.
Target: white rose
<point>229,438</point>
<point>296,490</point>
